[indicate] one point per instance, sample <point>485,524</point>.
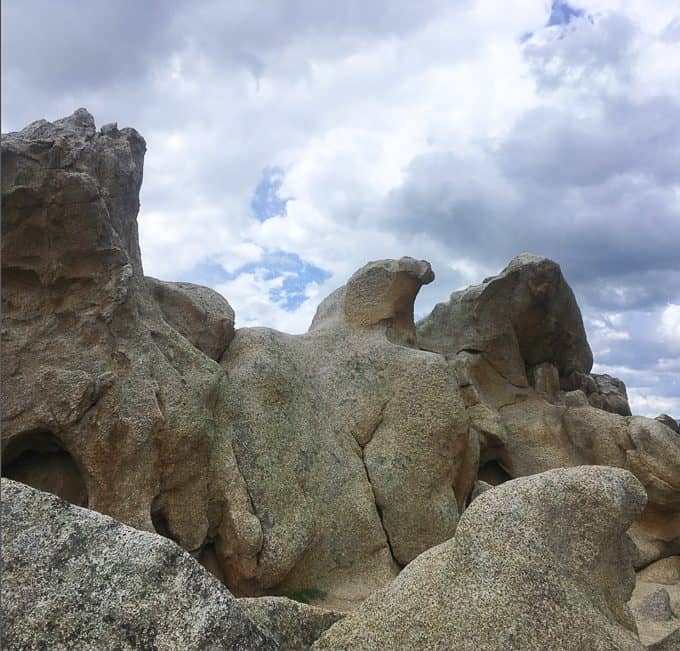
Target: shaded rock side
<point>542,562</point>
<point>294,625</point>
<point>73,578</point>
<point>356,449</point>
<point>521,358</point>
<point>655,603</point>
<point>521,318</point>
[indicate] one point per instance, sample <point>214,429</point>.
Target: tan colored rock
<point>542,562</point>
<point>556,414</point>
<point>655,602</point>
<point>200,314</point>
<point>356,450</point>
<point>319,462</point>
<point>525,316</point>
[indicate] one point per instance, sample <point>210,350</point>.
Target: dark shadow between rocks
<point>37,458</point>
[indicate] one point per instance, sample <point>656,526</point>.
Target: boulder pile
<point>450,482</point>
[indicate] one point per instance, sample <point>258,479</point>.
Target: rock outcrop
<point>541,562</point>
<point>522,360</point>
<point>75,579</point>
<point>356,450</point>
<point>320,462</point>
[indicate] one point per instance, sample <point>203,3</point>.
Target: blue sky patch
<point>266,201</point>
<point>562,13</point>
<point>295,272</point>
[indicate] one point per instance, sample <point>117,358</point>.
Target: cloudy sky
<point>291,141</point>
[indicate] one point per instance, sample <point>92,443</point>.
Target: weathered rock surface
<point>320,462</point>
<point>75,579</point>
<point>522,361</point>
<point>655,602</point>
<point>603,391</point>
<point>294,625</point>
<point>369,438</point>
<point>200,314</point>
<point>96,378</point>
<point>525,316</point>
<point>669,422</point>
<point>542,562</point>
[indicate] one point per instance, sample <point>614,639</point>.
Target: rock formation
<point>538,563</point>
<point>318,464</point>
<point>75,579</point>
<point>523,363</point>
<point>656,603</point>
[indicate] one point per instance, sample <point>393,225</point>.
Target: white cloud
<point>425,129</point>
<point>669,328</point>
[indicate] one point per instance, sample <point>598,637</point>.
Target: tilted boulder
<point>541,562</point>
<point>525,316</point>
<point>522,361</point>
<point>75,579</point>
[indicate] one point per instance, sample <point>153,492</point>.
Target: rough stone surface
<point>202,315</point>
<point>521,358</point>
<point>320,462</point>
<point>602,391</point>
<point>655,602</point>
<point>75,579</point>
<point>669,422</point>
<point>542,562</point>
<point>370,439</point>
<point>523,317</point>
<point>294,625</point>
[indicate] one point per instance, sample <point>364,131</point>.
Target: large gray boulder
<point>538,563</point>
<point>75,579</point>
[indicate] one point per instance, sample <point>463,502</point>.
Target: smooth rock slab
<point>75,579</point>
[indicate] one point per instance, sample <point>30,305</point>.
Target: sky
<point>289,143</point>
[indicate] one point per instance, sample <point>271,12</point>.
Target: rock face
<point>542,562</point>
<point>295,626</point>
<point>369,437</point>
<point>656,603</point>
<point>98,378</point>
<point>73,578</point>
<point>320,462</point>
<point>522,361</point>
<point>525,316</point>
